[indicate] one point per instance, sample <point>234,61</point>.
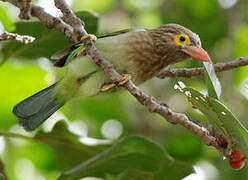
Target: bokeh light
<point>112,129</point>
<point>227,3</point>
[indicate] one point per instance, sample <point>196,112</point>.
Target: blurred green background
<point>223,28</point>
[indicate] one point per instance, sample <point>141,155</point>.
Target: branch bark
<point>12,36</point>
<point>191,72</point>
<point>48,20</point>
<point>76,30</point>
<point>70,17</point>
<point>24,6</point>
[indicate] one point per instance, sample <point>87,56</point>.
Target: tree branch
<point>11,36</point>
<point>24,6</point>
<point>191,72</point>
<point>54,23</point>
<point>70,17</point>
<point>152,104</point>
<point>48,20</point>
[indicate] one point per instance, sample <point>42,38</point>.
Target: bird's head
<point>179,43</point>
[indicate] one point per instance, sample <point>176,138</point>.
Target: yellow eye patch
<point>182,40</point>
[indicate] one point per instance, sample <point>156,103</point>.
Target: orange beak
<point>197,52</point>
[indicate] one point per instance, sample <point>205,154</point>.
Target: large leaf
<point>132,174</point>
<point>131,152</point>
<point>90,19</point>
<point>175,170</point>
<point>213,83</point>
<point>237,132</point>
<point>167,171</point>
<point>220,117</point>
<point>67,146</point>
<point>47,41</point>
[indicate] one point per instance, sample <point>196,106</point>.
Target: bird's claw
<point>83,50</point>
<point>89,36</point>
<point>123,81</point>
<point>107,87</point>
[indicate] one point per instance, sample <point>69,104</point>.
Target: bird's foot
<point>83,50</point>
<point>120,83</point>
<point>89,36</point>
<point>107,87</point>
<point>124,80</point>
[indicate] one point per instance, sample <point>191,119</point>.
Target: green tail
<point>35,110</point>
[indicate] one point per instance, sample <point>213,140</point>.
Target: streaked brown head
<point>175,43</point>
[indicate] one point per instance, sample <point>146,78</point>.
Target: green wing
<point>65,56</point>
<point>115,33</point>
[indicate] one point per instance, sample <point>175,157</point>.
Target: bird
<point>140,53</point>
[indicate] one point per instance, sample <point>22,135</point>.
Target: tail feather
<point>33,111</point>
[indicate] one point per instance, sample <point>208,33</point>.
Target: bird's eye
<point>182,40</point>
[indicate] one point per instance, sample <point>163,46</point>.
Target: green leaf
<point>237,132</point>
<point>220,117</point>
<point>167,171</point>
<point>6,20</point>
<point>47,41</point>
<point>192,147</point>
<point>115,33</point>
<point>132,174</point>
<point>90,19</point>
<point>131,152</point>
<point>176,170</point>
<point>213,83</point>
<point>69,150</point>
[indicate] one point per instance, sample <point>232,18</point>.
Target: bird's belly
<point>82,79</point>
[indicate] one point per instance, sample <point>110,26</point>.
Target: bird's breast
<point>132,53</point>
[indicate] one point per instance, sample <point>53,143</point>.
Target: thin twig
<point>191,72</point>
<point>12,36</point>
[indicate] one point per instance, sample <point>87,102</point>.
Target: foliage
<point>47,41</point>
<point>220,117</point>
<point>55,153</point>
<point>129,153</point>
